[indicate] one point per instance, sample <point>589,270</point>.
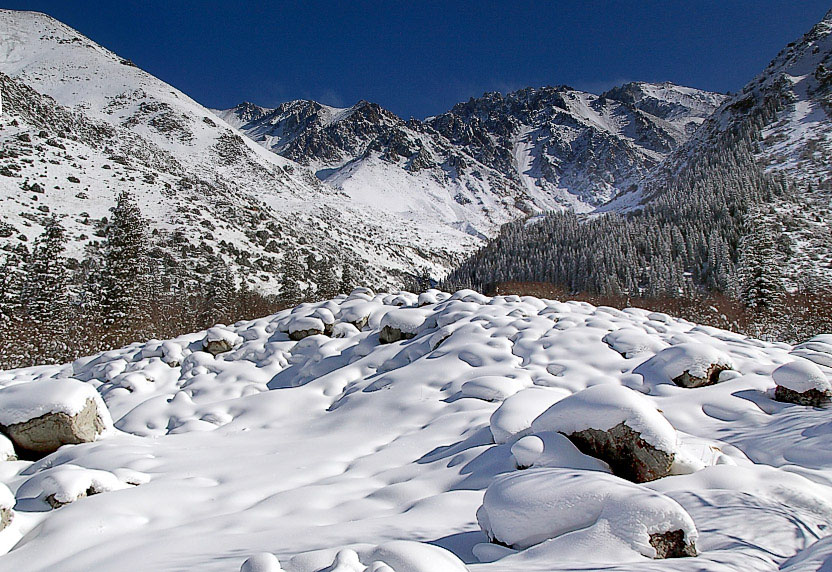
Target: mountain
<point>741,208</point>
<point>527,151</point>
<point>83,124</point>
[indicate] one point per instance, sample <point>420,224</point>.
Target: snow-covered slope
<point>496,156</point>
<point>195,176</point>
<point>304,449</point>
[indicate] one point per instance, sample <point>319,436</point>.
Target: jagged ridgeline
<point>691,232</point>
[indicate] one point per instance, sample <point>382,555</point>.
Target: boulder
<point>617,425</point>
<point>43,415</point>
<point>569,510</point>
<point>389,334</point>
<point>300,328</point>
<point>401,324</point>
<point>689,364</point>
<point>803,383</point>
<point>219,340</point>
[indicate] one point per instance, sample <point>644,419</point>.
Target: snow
<point>817,349</point>
<point>691,357</point>
<point>406,320</point>
<point>579,508</point>
<point>306,324</point>
<point>263,562</point>
<point>304,450</point>
<point>6,449</point>
<point>801,376</point>
<point>514,417</point>
<point>23,402</point>
<point>603,407</point>
<point>222,334</point>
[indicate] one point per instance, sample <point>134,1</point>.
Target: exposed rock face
<point>712,377</point>
<point>6,516</point>
<point>628,455</point>
<point>215,347</point>
<point>44,434</point>
<point>300,334</point>
<point>389,334</point>
<point>55,503</point>
<point>672,545</point>
<point>810,398</point>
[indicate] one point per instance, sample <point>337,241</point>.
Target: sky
<point>420,58</point>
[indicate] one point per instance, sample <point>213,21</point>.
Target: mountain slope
<point>207,189</point>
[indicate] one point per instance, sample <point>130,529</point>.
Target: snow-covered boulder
<point>219,340</point>
<point>802,382</point>
<point>817,349</point>
<point>356,311</point>
<point>327,317</point>
<point>617,425</point>
<point>401,324</point>
<point>527,450</point>
<point>263,562</point>
<point>491,387</point>
<point>630,342</point>
<point>689,364</point>
<point>67,483</point>
<point>42,415</point>
<point>304,327</point>
<point>584,509</point>
<point>514,417</point>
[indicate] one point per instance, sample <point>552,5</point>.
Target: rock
<point>45,434</point>
<point>219,340</point>
<point>689,364</point>
<point>567,511</point>
<point>304,327</point>
<point>42,415</point>
<point>389,334</point>
<point>802,382</point>
<point>671,544</point>
<point>617,425</point>
<point>7,502</point>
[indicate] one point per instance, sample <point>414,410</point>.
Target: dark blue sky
<point>419,58</point>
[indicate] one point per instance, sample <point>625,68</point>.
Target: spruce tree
<point>125,273</point>
<point>290,275</point>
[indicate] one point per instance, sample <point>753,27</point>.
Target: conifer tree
<point>290,275</point>
<point>45,295</point>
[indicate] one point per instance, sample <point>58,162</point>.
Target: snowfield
<point>347,454</point>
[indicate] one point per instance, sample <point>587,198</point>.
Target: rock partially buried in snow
<point>219,340</point>
<point>300,328</point>
<point>514,417</point>
<point>7,449</point>
<point>576,509</point>
<point>617,425</point>
<point>491,387</point>
<point>402,324</point>
<point>7,502</point>
<point>527,450</point>
<point>407,556</point>
<point>803,383</point>
<point>42,415</point>
<point>630,342</point>
<point>690,364</point>
<point>65,484</point>
<point>263,562</point>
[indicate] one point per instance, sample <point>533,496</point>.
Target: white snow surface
<point>577,509</point>
<point>304,450</point>
<point>23,402</point>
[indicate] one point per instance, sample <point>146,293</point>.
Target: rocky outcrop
<point>672,544</point>
<point>45,434</point>
<point>389,334</point>
<point>628,455</point>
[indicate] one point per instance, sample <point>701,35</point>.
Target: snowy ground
<point>301,449</point>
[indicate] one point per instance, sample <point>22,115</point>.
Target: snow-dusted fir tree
<point>45,296</point>
<point>326,279</point>
<point>291,273</point>
<point>125,273</point>
<point>220,293</point>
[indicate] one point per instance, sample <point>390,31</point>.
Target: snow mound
<point>67,483</point>
<point>689,364</point>
<point>817,349</point>
<point>514,417</point>
<point>263,562</point>
<point>801,376</point>
<point>491,388</point>
<point>602,407</point>
<point>580,508</point>
<point>7,452</point>
<point>631,342</point>
<point>27,401</point>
